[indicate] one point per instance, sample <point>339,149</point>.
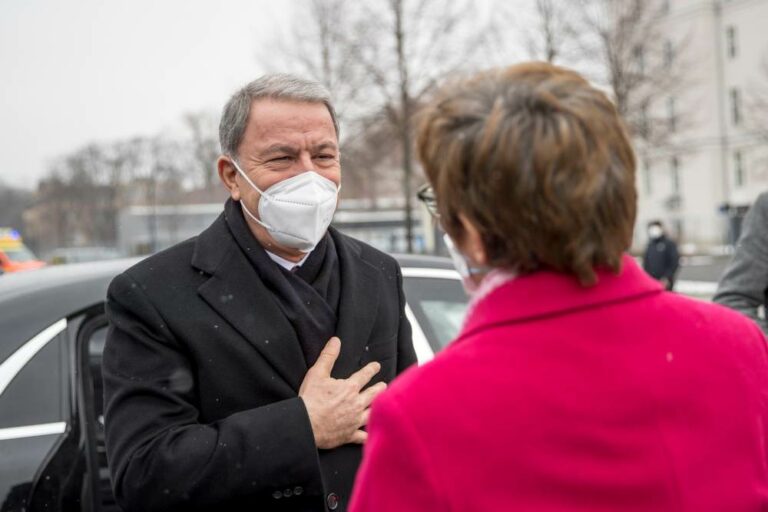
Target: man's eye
<point>326,157</point>
<point>280,159</point>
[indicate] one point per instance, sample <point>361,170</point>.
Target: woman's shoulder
<point>700,320</point>
<point>436,382</point>
<point>702,310</point>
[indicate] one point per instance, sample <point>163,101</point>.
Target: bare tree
<point>551,28</point>
<point>75,203</point>
<point>13,202</point>
<point>79,200</point>
<point>316,46</point>
<point>625,46</point>
<point>382,57</point>
<point>368,157</point>
<point>542,27</point>
<point>203,144</point>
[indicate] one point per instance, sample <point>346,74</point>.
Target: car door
<point>436,306</point>
<point>90,347</point>
<point>34,414</point>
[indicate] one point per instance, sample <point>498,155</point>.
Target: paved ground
<point>703,268</point>
<point>698,275</point>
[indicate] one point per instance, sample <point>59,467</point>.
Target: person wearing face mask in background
<point>661,259</point>
<point>240,365</point>
<point>576,383</point>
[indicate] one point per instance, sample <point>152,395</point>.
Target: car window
<point>36,395</point>
<point>439,305</point>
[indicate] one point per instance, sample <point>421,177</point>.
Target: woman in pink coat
<point>576,383</point>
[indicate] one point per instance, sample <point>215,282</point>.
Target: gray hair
<point>278,86</point>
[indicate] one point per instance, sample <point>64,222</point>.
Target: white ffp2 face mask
<point>463,266</point>
<point>296,211</point>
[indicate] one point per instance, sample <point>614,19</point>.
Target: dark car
<point>52,334</point>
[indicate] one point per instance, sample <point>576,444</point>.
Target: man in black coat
<point>240,365</point>
<point>661,260</point>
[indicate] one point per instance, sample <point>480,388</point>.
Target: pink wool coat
<point>555,397</point>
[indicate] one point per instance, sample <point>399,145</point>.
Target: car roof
<point>18,284</point>
<point>99,273</point>
<point>30,301</point>
<point>423,261</point>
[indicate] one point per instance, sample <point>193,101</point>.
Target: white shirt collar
<point>288,264</point>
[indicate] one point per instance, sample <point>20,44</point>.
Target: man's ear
<point>227,175</point>
<point>472,243</point>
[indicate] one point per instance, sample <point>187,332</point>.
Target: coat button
<point>332,500</point>
<point>287,493</point>
<point>298,491</point>
<point>277,495</point>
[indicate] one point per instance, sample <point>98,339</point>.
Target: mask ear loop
<point>254,218</point>
<point>242,204</point>
<point>246,178</point>
<point>463,265</point>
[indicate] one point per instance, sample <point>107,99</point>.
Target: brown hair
<point>539,161</point>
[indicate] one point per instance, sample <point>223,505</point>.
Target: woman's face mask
<point>297,211</point>
<point>469,272</point>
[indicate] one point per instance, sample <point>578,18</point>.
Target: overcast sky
<point>94,70</point>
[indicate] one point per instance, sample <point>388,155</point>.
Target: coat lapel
<point>236,292</point>
<point>358,305</point>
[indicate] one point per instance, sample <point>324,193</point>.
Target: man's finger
<point>327,358</point>
<point>365,417</point>
<point>364,375</point>
<point>372,392</point>
<point>359,437</point>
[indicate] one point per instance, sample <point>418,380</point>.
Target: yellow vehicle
<point>14,255</point>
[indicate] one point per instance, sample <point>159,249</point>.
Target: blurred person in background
<point>576,383</point>
<point>744,284</point>
<point>661,259</point>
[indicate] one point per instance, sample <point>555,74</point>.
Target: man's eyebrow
<point>279,148</point>
<point>325,145</point>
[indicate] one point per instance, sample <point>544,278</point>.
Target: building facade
<point>148,229</point>
<point>702,179</point>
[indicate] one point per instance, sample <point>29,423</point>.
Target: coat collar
<point>358,305</point>
<point>235,291</point>
<point>547,293</point>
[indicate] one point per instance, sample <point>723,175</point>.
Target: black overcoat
<point>202,371</point>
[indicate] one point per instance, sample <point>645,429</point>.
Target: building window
<point>735,106</point>
<point>647,181</point>
<point>671,114</point>
<point>730,37</point>
<point>738,169</point>
<point>674,166</point>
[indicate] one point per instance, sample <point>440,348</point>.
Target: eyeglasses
<point>426,195</point>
